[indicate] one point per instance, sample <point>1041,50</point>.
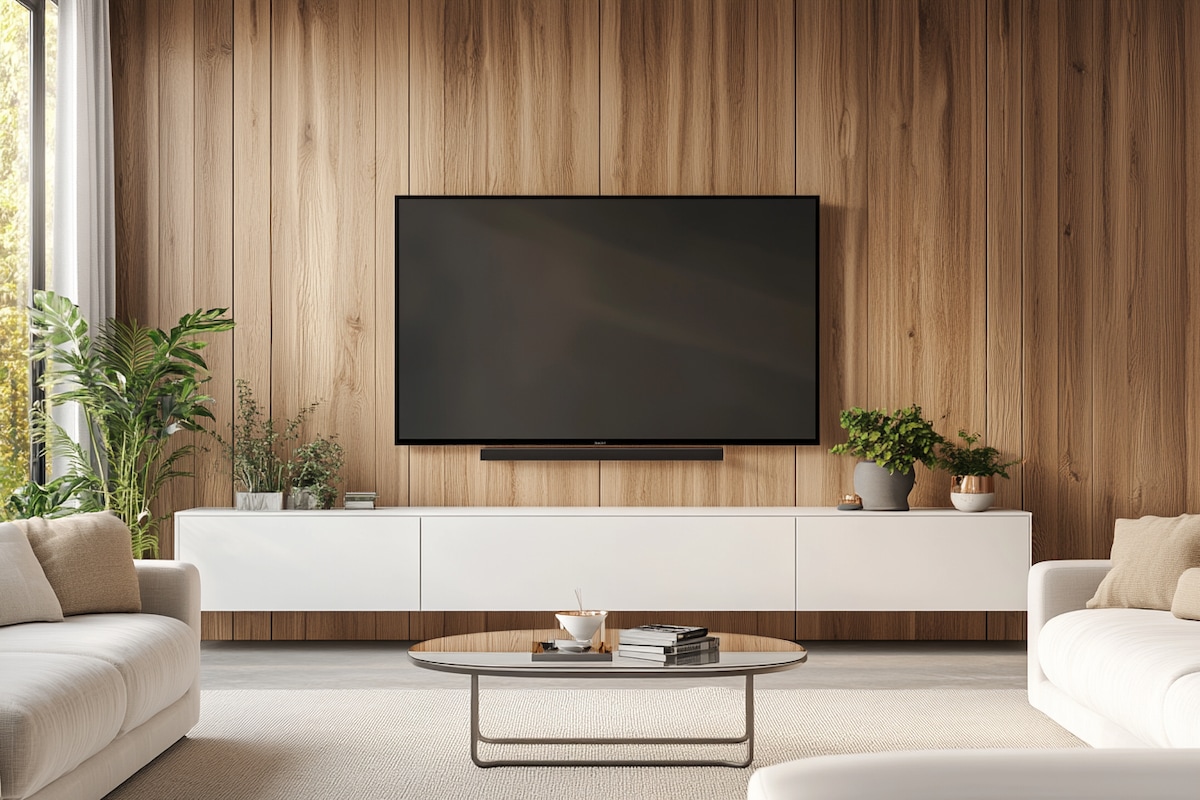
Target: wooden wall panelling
<point>214,226</point>
<point>832,120</point>
<point>252,626</point>
<point>891,625</point>
<point>176,268</point>
<point>323,222</point>
<point>1191,107</point>
<point>339,625</point>
<point>426,624</point>
<point>1080,67</point>
<point>454,476</point>
<point>1040,302</point>
<point>927,327</point>
<point>698,98</point>
<point>1005,26</point>
<point>288,625</point>
<point>1007,626</point>
<point>504,100</point>
<point>1140,296</point>
<point>135,144</point>
<point>391,178</point>
<point>391,626</point>
<point>216,626</point>
<point>252,198</point>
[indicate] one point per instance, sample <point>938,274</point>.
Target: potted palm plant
<point>889,444</point>
<point>973,470</point>
<point>257,451</point>
<point>316,467</point>
<point>137,387</point>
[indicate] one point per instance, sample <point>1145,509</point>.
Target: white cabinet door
<point>919,561</point>
<point>302,561</point>
<point>535,563</point>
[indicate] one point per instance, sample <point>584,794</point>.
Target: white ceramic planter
<point>258,501</point>
<point>972,501</point>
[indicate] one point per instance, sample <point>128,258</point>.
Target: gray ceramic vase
<point>881,490</point>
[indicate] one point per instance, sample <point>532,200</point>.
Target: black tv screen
<point>606,320</point>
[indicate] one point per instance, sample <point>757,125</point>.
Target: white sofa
<point>87,702</point>
<point>1114,677</point>
<point>1126,680</point>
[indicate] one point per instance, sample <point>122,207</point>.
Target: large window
<point>28,50</point>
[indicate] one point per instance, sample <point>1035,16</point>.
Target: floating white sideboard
<point>664,559</point>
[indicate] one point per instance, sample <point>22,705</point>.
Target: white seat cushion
<point>156,656</point>
<point>56,711</point>
<point>1121,663</point>
<point>1181,716</point>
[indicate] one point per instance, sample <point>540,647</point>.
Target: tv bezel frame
<point>414,442</point>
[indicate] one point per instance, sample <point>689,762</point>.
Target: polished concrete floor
<point>831,665</point>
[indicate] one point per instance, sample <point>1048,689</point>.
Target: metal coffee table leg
<point>747,736</point>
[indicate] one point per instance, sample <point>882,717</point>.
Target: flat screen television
<point>606,320</point>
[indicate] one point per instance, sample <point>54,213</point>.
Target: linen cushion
<point>1186,603</point>
<point>155,656</point>
<point>1120,663</point>
<point>1148,555</point>
<point>25,594</point>
<point>56,711</point>
<point>88,560</point>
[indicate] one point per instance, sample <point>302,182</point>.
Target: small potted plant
<point>974,470</point>
<point>256,450</point>
<point>888,444</point>
<point>316,467</point>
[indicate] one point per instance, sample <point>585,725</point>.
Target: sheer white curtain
<point>84,266</point>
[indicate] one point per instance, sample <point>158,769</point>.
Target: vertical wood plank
<point>427,82</point>
<point>252,198</point>
<point>176,213</point>
<point>323,222</point>
<point>214,225</point>
<point>135,41</point>
<point>1081,65</point>
<point>748,476</point>
<point>216,626</point>
<point>927,332</point>
<point>391,179</point>
<point>288,625</point>
<point>1007,626</point>
<point>1191,107</point>
<point>392,626</point>
<point>455,476</point>
<point>1141,281</point>
<point>252,626</point>
<point>339,625</point>
<point>1005,26</point>
<point>1039,276</point>
<point>832,123</point>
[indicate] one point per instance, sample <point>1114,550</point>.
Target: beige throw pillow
<point>88,560</point>
<point>25,594</point>
<point>1186,604</point>
<point>1149,555</point>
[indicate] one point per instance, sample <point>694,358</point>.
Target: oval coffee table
<point>509,654</point>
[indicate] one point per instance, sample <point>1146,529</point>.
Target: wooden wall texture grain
<point>1007,234</point>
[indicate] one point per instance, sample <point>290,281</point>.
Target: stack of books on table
<point>359,500</point>
<point>669,644</point>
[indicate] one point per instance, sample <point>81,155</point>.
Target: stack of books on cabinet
<point>669,644</point>
<point>360,500</point>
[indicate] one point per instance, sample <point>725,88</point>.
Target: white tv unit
<point>661,559</point>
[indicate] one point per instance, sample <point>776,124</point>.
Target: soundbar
<point>602,453</point>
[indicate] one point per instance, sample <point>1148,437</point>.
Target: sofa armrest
<point>170,588</point>
<point>1062,774</point>
<point>1056,587</point>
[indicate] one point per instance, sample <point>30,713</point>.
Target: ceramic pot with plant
<point>973,470</point>
<point>889,444</point>
<point>316,468</point>
<point>257,450</point>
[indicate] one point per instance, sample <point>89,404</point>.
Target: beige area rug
<point>408,743</point>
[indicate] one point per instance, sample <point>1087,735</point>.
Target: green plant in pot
<point>316,468</point>
<point>258,452</point>
<point>889,444</point>
<point>136,387</point>
<point>973,470</point>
